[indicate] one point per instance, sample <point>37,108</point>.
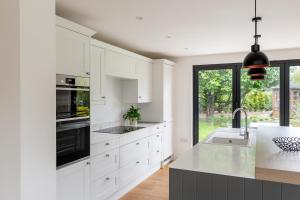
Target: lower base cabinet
<point>73,182</point>
<point>133,170</point>
<point>104,186</point>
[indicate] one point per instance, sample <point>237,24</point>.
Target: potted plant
<point>132,115</point>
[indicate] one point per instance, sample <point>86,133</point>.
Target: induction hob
<point>120,129</point>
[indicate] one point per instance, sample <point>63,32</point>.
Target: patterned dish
<point>287,143</point>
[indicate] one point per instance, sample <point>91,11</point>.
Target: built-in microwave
<point>72,141</point>
<point>72,98</point>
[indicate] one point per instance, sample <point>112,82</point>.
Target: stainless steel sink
<point>228,136</point>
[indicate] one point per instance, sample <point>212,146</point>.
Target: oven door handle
<point>72,89</point>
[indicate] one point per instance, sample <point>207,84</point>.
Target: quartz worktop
<point>226,160</point>
<point>263,160</point>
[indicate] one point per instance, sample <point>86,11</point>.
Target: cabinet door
<point>167,140</point>
<point>168,93</point>
<point>119,65</point>
<point>144,73</point>
<point>73,182</point>
<point>97,75</point>
<point>72,53</point>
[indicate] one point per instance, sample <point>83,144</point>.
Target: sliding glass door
<point>219,89</point>
<point>215,89</point>
<point>261,99</point>
<point>294,93</point>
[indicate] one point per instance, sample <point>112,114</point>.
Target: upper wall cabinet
<point>97,75</point>
<point>139,90</point>
<point>161,108</point>
<point>119,65</point>
<point>72,48</point>
<point>144,74</point>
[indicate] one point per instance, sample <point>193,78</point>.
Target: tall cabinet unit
<point>161,108</point>
<point>72,48</point>
<point>98,77</point>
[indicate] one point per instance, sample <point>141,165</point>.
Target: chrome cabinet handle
<point>107,178</point>
<point>107,144</point>
<point>137,143</point>
<point>103,97</point>
<point>107,155</point>
<point>157,135</point>
<point>157,151</point>
<point>137,162</point>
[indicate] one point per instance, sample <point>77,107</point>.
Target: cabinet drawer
<point>105,186</point>
<point>104,146</point>
<point>133,170</point>
<point>133,151</point>
<point>104,163</point>
<point>134,136</point>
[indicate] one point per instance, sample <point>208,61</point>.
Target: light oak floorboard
<point>156,187</point>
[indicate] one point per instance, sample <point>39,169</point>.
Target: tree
<point>215,88</point>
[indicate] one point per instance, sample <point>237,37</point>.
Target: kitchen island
<point>259,171</point>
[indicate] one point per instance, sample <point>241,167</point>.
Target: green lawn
<point>205,129</point>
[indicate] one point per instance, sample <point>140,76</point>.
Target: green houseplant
<point>132,115</point>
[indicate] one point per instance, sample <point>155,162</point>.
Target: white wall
<point>184,89</point>
<point>9,101</point>
<point>111,111</point>
<point>27,143</point>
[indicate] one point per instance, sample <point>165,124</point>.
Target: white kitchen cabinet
<point>72,48</point>
<point>161,108</point>
<point>104,186</point>
<point>119,65</point>
<point>167,140</point>
<point>140,89</point>
<point>73,182</point>
<point>144,73</point>
<point>168,93</point>
<point>98,78</point>
<point>104,163</point>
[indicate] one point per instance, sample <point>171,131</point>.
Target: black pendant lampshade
<point>256,58</point>
<point>257,72</point>
<point>257,78</point>
<point>256,61</point>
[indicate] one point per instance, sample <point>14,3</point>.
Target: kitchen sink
<point>228,136</point>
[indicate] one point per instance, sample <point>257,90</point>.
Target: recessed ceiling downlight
<point>140,18</point>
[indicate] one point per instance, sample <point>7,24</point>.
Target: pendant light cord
<point>256,36</point>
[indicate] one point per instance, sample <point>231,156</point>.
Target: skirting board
<point>122,191</point>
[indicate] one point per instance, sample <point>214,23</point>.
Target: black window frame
<point>284,66</point>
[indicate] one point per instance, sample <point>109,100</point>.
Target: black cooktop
<point>120,129</point>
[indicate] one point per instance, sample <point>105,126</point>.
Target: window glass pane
<point>294,96</point>
<point>261,98</point>
<point>214,100</point>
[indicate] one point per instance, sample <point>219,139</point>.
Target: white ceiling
<point>202,26</point>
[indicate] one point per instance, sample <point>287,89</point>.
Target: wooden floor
<point>155,187</point>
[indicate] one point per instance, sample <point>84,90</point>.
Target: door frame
<point>235,67</point>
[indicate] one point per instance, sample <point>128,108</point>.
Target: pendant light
<point>256,61</point>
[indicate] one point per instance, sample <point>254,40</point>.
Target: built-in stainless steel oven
<point>72,119</point>
<point>72,141</point>
<point>72,98</point>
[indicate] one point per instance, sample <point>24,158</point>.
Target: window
<point>220,89</point>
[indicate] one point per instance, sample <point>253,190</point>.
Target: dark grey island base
<point>190,185</point>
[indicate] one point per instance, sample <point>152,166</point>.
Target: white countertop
<point>263,160</point>
<point>272,163</point>
<point>219,159</point>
